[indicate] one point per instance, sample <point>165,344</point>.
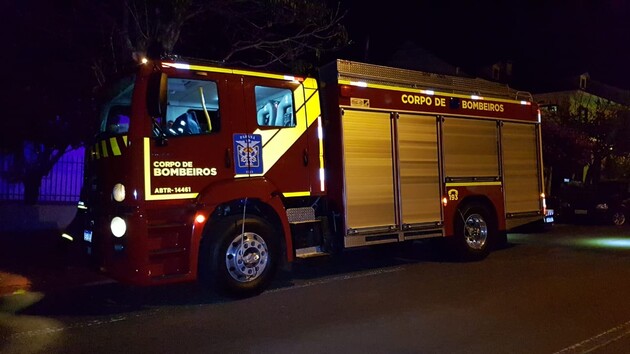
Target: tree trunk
<point>595,171</point>
<point>547,178</point>
<point>32,183</point>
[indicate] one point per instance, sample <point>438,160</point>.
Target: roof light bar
<point>359,83</point>
<point>177,65</point>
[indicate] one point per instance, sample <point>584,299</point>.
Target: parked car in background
<point>608,202</point>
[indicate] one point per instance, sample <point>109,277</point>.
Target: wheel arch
<point>458,245</point>
<point>247,206</point>
<point>255,196</point>
<point>483,201</point>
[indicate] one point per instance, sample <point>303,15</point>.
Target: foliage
<point>269,34</point>
<point>566,148</point>
<point>608,129</point>
<point>44,104</point>
<point>590,132</point>
<point>66,50</point>
<point>563,143</point>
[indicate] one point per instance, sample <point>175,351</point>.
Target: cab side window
<point>118,120</point>
<point>193,107</point>
<point>274,107</point>
<point>116,111</point>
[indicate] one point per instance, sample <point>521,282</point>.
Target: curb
<point>18,217</point>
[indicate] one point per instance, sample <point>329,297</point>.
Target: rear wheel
<point>618,217</point>
<point>474,232</point>
<point>240,256</point>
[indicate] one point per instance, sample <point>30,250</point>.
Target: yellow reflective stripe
<point>214,69</point>
<point>320,137</point>
<point>210,69</point>
<point>101,148</point>
<point>115,148</point>
<point>171,196</point>
<point>147,168</point>
<point>260,74</point>
<point>471,184</point>
<point>296,194</point>
<point>104,146</point>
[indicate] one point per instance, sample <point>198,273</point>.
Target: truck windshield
<point>116,108</point>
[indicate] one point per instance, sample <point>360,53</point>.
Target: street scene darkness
<point>315,177</point>
<point>562,291</point>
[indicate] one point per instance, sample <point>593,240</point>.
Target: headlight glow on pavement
<point>607,242</point>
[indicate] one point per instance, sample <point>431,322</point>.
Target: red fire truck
<point>199,171</point>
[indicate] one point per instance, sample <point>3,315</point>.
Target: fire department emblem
<point>453,194</point>
<point>248,153</point>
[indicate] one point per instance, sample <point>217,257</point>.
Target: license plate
<point>549,219</point>
<point>87,235</point>
<point>581,212</point>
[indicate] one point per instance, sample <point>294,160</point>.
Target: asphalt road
<point>563,291</point>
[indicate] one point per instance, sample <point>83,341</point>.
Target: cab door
<point>197,145</point>
<point>277,135</point>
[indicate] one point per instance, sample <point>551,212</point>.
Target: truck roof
<point>342,69</point>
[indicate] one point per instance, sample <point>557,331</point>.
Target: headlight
<point>118,192</point>
<point>118,226</point>
<point>602,206</point>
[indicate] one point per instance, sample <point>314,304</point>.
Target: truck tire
<point>237,263</point>
<point>619,217</point>
<point>474,233</point>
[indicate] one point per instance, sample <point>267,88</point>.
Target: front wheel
<point>474,230</point>
<point>239,256</point>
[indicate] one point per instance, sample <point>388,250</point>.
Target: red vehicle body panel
<point>176,187</point>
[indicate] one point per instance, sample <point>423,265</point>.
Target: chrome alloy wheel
<point>618,218</point>
<point>475,231</point>
<point>247,257</point>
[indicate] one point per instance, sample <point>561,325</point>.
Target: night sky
<point>541,38</point>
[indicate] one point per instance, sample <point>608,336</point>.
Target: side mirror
<point>156,94</point>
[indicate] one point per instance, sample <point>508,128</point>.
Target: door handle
<point>305,157</point>
<point>228,158</point>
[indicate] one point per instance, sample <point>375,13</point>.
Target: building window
<point>496,72</point>
<point>583,112</point>
<point>549,108</point>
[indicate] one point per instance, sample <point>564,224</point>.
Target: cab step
<point>309,252</point>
